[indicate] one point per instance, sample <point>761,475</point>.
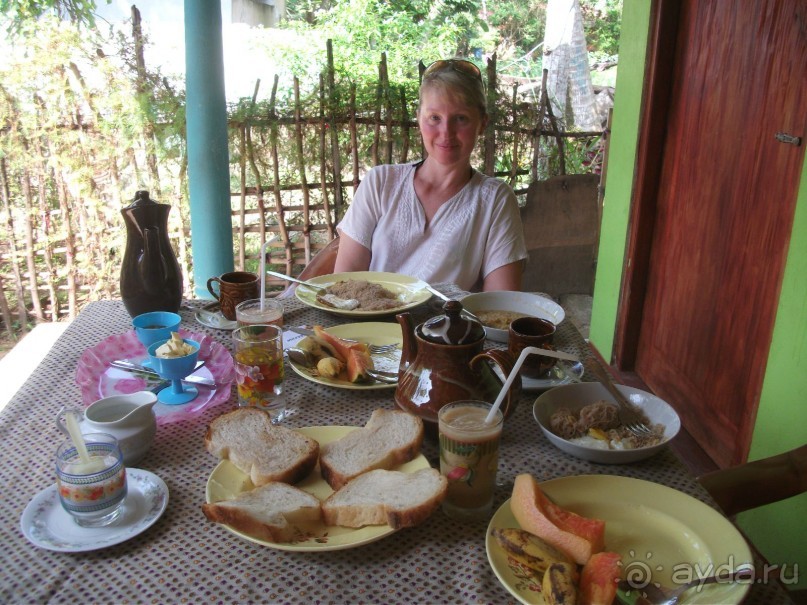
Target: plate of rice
<point>378,293</point>
<point>581,419</point>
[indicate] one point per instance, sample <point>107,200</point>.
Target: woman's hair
<point>459,79</point>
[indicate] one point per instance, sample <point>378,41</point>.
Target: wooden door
<point>719,200</point>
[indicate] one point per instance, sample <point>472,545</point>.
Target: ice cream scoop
<point>174,347</point>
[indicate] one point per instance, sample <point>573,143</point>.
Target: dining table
<point>184,558</point>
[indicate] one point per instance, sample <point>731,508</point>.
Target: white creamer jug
<point>129,418</point>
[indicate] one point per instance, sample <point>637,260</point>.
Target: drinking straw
<point>263,272</point>
<point>514,372</point>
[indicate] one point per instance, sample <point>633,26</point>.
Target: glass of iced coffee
<point>469,457</point>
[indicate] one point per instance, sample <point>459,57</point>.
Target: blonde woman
<point>438,219</point>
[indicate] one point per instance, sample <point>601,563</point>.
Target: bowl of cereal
<point>497,309</point>
<point>581,419</point>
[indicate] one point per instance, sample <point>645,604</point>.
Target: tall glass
<point>258,352</point>
<point>469,457</point>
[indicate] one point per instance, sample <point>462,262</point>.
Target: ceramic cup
<point>259,371</point>
<point>251,312</point>
<point>531,332</point>
<point>154,326</point>
<point>469,457</point>
<point>92,492</point>
<point>233,288</point>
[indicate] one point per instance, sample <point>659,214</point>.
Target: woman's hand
<point>352,256</point>
<point>506,277</point>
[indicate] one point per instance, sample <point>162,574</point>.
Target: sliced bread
<point>386,497</point>
<point>276,512</point>
<point>390,438</point>
<point>266,452</point>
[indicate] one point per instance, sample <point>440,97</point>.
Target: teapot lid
<point>452,328</point>
<point>142,199</point>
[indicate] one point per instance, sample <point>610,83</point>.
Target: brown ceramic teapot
<point>443,361</point>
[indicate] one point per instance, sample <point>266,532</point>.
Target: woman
<point>438,219</point>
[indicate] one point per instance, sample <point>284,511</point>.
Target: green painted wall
<point>779,531</point>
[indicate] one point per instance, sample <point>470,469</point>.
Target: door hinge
<point>783,137</point>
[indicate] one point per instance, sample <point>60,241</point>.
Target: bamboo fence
<point>294,170</point>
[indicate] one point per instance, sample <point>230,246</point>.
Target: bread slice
<point>275,512</point>
<point>392,497</point>
<point>390,438</point>
<point>266,452</point>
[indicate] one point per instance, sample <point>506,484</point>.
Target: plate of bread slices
<point>319,488</point>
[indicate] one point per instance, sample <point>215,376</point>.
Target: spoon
<point>653,594</point>
<point>331,300</point>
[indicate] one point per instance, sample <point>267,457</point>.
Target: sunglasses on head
<point>460,65</point>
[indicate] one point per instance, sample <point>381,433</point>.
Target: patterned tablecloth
<point>183,558</point>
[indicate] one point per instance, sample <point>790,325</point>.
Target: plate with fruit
<point>617,527</point>
<point>345,366</point>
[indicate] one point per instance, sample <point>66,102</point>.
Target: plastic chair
<point>322,264</point>
<point>758,483</point>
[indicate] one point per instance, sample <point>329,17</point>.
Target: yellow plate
<point>660,532</point>
<point>411,291</point>
<point>226,482</point>
<point>372,333</point>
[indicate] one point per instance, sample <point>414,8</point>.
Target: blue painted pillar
<point>208,158</point>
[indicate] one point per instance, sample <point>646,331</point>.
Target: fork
<point>628,416</point>
<point>654,594</point>
<point>374,349</point>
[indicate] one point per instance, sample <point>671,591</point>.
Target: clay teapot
<point>443,361</point>
<point>150,279</point>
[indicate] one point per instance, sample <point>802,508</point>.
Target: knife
<point>134,367</point>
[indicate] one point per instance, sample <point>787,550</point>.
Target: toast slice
<point>266,452</point>
<point>381,497</point>
<point>390,438</point>
<point>275,512</point>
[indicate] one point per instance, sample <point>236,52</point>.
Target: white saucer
<point>555,378</point>
<point>214,319</point>
<point>47,525</point>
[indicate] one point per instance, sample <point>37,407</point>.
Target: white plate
<point>226,481</point>
<point>411,292</point>
<point>377,333</point>
<point>534,305</point>
<point>555,378</point>
<point>660,533</point>
<point>47,525</point>
<point>576,396</point>
<point>211,317</point>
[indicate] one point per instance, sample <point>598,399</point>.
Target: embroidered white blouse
<point>473,233</point>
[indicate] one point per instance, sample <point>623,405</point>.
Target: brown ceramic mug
<point>234,288</point>
<point>531,332</point>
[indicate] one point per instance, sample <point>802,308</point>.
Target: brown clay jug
<point>150,279</point>
<point>443,361</point>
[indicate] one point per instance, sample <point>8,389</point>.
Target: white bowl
<point>515,302</point>
<point>576,396</point>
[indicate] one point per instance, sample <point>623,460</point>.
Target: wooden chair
<point>758,483</point>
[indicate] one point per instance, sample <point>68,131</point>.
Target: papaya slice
<point>577,536</point>
<point>355,355</point>
<point>599,579</point>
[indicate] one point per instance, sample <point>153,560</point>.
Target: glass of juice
<point>258,352</point>
<point>469,457</point>
<point>252,312</point>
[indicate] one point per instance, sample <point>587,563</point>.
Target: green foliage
<point>21,13</point>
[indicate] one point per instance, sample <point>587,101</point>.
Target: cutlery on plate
<point>134,367</point>
<point>330,300</point>
<point>654,594</point>
<point>628,415</point>
<point>374,349</point>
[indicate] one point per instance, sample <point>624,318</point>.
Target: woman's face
<point>449,127</point>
